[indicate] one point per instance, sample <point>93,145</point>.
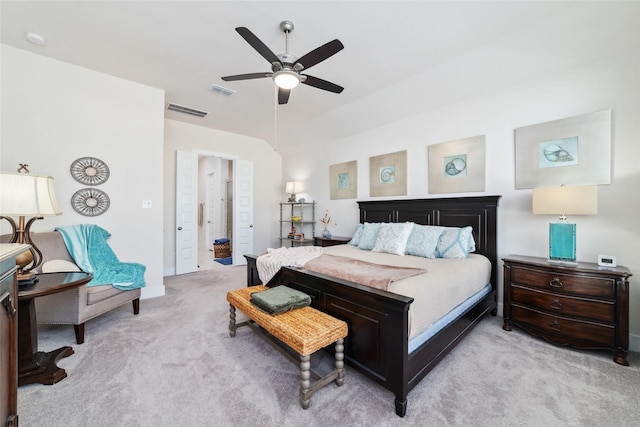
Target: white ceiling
<point>400,58</point>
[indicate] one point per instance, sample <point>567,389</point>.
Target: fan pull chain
<point>275,118</point>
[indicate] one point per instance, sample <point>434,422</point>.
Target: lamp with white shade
<point>24,195</point>
<point>563,201</point>
<point>293,187</point>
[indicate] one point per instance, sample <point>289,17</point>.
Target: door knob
<point>179,228</point>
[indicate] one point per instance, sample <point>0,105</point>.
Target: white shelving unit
<point>303,229</point>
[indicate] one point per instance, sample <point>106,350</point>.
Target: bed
<point>378,344</point>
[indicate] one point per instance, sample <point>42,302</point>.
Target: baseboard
<point>634,343</point>
<point>634,340</point>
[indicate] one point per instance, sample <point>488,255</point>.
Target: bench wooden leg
<point>305,383</point>
<point>232,321</point>
<point>340,362</point>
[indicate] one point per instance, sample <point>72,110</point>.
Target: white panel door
<point>243,211</point>
<point>186,212</point>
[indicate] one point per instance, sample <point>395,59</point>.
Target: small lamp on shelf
<point>293,187</point>
<point>24,195</point>
<point>563,201</point>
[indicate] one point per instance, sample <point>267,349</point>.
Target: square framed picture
<point>388,174</point>
<point>343,179</point>
<point>457,166</point>
<point>571,151</point>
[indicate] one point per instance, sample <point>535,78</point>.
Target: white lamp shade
<point>27,195</point>
<point>294,187</point>
<point>580,200</point>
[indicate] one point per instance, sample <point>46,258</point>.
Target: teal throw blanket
<point>87,244</point>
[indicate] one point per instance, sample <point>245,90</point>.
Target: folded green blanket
<point>280,299</point>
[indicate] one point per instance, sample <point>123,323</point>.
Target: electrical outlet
<point>146,204</point>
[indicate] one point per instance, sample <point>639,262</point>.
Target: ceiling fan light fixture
<point>286,79</point>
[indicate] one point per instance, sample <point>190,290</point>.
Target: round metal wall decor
<point>89,171</point>
<point>90,202</point>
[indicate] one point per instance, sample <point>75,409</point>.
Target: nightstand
<point>334,240</point>
<point>585,306</point>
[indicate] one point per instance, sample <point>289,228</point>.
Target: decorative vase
<point>326,233</point>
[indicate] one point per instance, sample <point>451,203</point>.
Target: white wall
<point>613,83</point>
<point>54,113</point>
<point>267,178</point>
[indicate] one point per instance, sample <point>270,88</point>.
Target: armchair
<point>75,306</point>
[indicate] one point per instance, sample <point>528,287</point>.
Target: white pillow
<point>392,238</point>
<point>59,266</point>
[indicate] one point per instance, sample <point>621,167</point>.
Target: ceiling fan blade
<point>283,95</point>
<point>257,44</point>
<point>320,54</point>
<point>322,84</point>
<point>246,76</point>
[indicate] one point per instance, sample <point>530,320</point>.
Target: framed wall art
<point>343,179</point>
<point>457,166</point>
<point>571,151</point>
<point>388,174</point>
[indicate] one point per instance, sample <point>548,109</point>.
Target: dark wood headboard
<point>478,212</point>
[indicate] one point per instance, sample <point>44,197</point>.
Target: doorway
<point>216,201</point>
<point>192,228</point>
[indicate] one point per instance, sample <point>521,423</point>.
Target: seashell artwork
<point>455,165</point>
<point>558,153</point>
<point>555,153</point>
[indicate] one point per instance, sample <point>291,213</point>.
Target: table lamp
<point>563,201</point>
<point>24,195</point>
<point>292,188</point>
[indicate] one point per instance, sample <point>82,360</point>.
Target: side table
<point>36,366</point>
<point>585,306</point>
<point>331,241</point>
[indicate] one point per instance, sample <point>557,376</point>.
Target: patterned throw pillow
<point>423,240</point>
<point>455,243</point>
<point>369,235</point>
<point>356,235</point>
<point>392,238</point>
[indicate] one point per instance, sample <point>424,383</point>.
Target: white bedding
<point>447,282</point>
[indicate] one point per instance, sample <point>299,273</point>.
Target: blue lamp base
<point>562,244</point>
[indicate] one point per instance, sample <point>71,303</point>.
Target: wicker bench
<point>304,330</point>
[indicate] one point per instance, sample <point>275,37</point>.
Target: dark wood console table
<point>36,366</point>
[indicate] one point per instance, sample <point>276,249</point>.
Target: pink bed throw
<point>377,276</point>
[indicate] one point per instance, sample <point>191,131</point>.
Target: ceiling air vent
<point>222,90</point>
<point>186,110</point>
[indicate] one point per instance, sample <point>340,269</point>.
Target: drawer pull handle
<point>555,326</point>
<point>555,283</point>
<point>556,305</point>
<point>7,302</point>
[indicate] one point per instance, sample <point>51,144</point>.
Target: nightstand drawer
<point>555,304</point>
<point>599,287</point>
<point>562,330</point>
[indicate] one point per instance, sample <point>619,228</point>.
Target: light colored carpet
<point>175,365</point>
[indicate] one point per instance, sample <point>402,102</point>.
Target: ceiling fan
<point>286,68</point>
